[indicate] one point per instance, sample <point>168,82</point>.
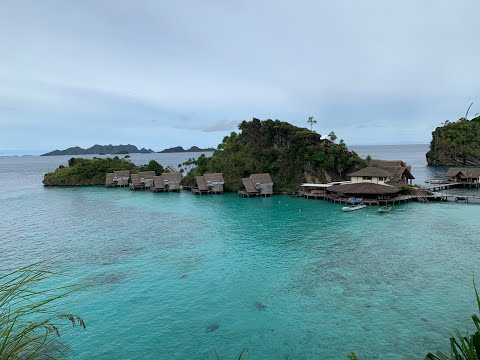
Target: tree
<point>311,121</point>
<point>332,136</point>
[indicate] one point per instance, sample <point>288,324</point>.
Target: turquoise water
<point>175,276</point>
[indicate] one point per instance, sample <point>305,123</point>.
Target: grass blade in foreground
<point>29,327</point>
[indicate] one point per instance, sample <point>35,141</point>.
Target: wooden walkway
<point>344,200</point>
<point>439,187</point>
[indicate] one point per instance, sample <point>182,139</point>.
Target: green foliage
<point>29,328</point>
<point>287,152</point>
<point>456,143</point>
<point>152,166</point>
<point>85,171</point>
<point>352,356</point>
<point>463,347</point>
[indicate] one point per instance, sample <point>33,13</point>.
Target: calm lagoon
<point>175,276</point>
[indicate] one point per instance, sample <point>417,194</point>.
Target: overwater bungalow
<point>142,180</point>
<point>158,184</point>
<point>172,181</point>
<point>257,185</point>
<point>109,180</point>
<point>121,178</point>
<point>117,178</point>
<point>215,182</point>
<point>210,183</point>
<point>464,175</point>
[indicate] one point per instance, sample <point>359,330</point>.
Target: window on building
<point>381,179</point>
<point>367,178</point>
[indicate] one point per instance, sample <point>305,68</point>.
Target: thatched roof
<point>249,186</point>
<point>214,177</point>
<point>158,182</point>
<point>466,172</point>
<point>364,189</point>
<point>201,183</point>
<point>371,171</point>
<point>136,179</point>
<point>146,174</point>
<point>122,173</point>
<point>109,179</point>
<point>264,178</point>
<point>172,177</point>
<point>396,168</point>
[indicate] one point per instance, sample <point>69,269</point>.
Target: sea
<point>179,276</point>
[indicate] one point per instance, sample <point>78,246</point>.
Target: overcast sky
<point>164,73</point>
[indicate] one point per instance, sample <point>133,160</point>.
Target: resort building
<point>142,180</point>
<point>369,183</point>
<point>257,185</point>
<point>172,181</point>
<point>209,184</point>
<point>117,178</point>
<point>121,178</point>
<point>400,172</point>
<point>464,175</point>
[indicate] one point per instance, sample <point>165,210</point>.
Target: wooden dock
<point>345,200</point>
<point>446,186</point>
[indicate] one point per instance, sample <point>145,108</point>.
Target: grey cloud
<point>223,125</point>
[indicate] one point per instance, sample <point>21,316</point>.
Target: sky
<point>161,73</point>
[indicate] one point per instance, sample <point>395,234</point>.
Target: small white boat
<point>385,209</point>
<point>354,207</point>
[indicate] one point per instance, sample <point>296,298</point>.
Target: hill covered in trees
<point>83,172</point>
<point>292,155</point>
<point>456,143</point>
<point>100,150</point>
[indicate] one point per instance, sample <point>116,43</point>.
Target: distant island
<point>179,149</point>
<point>456,143</point>
<point>101,150</point>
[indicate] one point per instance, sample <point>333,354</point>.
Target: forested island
<point>180,149</point>
<point>101,150</point>
<point>456,143</point>
<point>86,172</point>
<point>292,155</point>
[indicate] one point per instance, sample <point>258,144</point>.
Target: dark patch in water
<point>260,306</point>
<point>424,320</point>
<point>212,328</point>
<point>107,279</point>
<point>183,276</point>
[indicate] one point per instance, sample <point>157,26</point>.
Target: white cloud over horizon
<point>158,74</point>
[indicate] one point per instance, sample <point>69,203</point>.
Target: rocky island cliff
<point>456,143</point>
<point>292,155</point>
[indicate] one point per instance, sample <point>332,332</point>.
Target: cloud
<point>223,125</point>
<point>191,67</point>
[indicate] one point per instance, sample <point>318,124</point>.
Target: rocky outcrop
<point>291,155</point>
<point>456,143</point>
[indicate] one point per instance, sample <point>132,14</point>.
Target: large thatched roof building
<point>210,183</point>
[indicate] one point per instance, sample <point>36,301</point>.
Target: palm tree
<point>311,121</point>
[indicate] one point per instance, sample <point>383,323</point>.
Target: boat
<point>354,207</point>
<point>385,209</point>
